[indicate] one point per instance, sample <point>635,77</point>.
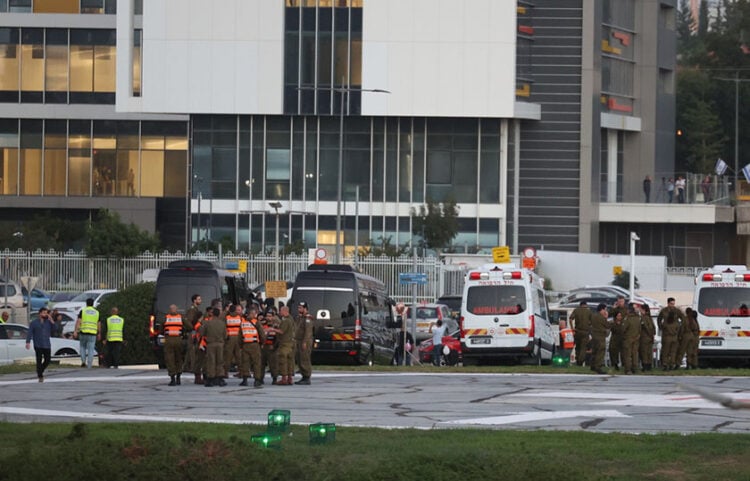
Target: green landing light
<point>278,420</point>
<point>267,440</point>
<point>322,433</point>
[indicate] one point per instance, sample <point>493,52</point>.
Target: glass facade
<point>65,6</point>
<point>391,160</point>
<point>100,158</point>
<point>618,56</point>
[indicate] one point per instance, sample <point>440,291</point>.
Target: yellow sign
<point>617,270</point>
<point>275,289</point>
<point>242,266</point>
<point>501,255</point>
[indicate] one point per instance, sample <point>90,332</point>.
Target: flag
<point>746,171</point>
<point>721,167</point>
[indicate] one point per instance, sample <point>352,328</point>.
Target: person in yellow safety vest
<point>232,345</point>
<point>115,327</point>
<point>87,332</point>
<point>253,337</point>
<point>4,317</point>
<point>567,340</point>
<point>175,328</point>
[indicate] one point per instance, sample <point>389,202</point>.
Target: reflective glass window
<point>56,6</point>
<point>19,6</point>
<point>9,64</point>
<point>56,67</point>
<point>32,64</point>
<point>152,174</point>
<point>79,158</point>
<point>9,156</point>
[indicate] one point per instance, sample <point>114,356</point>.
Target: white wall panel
<point>223,56</point>
<point>439,57</point>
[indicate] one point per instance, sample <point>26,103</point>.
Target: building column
<point>611,165</point>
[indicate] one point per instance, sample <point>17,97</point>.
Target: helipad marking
<point>628,399</point>
<point>538,416</point>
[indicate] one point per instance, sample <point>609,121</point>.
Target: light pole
<point>737,81</point>
<point>339,186</point>
<point>249,184</point>
<point>276,206</point>
<point>633,238</point>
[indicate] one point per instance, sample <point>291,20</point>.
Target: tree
<point>208,245</point>
<point>437,223</point>
<point>383,247</point>
<point>623,280</point>
<point>43,231</point>
<point>110,237</point>
<point>135,304</point>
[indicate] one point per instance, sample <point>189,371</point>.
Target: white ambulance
<point>722,298</point>
<point>504,315</point>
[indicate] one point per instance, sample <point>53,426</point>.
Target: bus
<point>722,297</point>
<point>353,316</point>
<point>177,283</point>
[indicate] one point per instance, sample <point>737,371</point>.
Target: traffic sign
<point>276,289</point>
<point>501,255</point>
<point>412,278</point>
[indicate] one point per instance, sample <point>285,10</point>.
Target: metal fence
<point>73,271</point>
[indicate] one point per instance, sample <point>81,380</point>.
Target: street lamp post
<point>249,184</point>
<point>339,186</point>
<point>737,81</point>
<point>276,206</point>
<point>633,239</point>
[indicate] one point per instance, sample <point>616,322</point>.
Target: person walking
<point>114,339</point>
<point>285,339</point>
<point>214,331</point>
<point>87,331</point>
<point>580,319</point>
<point>647,188</point>
<point>253,337</point>
<point>631,339</point>
<point>193,314</point>
<point>232,345</point>
<point>303,334</point>
<point>599,330</point>
<point>646,338</point>
<point>616,340</point>
<point>668,320</point>
<point>437,341</point>
<point>269,353</point>
<point>706,188</point>
<point>175,329</point>
<point>40,332</point>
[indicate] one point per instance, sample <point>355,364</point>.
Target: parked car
<point>11,295</point>
<point>39,298</point>
<point>451,349</point>
<point>453,302</point>
<point>13,344</point>
<point>68,323</point>
<point>75,305</point>
<point>61,296</point>
<point>426,315</point>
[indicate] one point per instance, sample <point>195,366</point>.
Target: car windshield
<point>724,301</point>
<point>339,303</point>
<point>427,313</point>
<point>496,300</point>
<point>85,295</point>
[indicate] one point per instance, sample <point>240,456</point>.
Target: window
<point>56,6</point>
<point>31,157</point>
<point>56,67</point>
<point>9,64</point>
<point>32,64</point>
<point>278,164</point>
<point>8,156</point>
<point>92,66</point>
<point>137,62</point>
<point>19,6</point>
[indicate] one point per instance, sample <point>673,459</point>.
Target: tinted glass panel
<point>496,300</point>
<point>724,301</point>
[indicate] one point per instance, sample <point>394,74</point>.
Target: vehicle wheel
<point>66,352</point>
<point>452,358</point>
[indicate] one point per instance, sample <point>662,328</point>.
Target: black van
<point>354,318</point>
<point>180,280</point>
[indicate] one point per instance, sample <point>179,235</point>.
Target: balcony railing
<point>716,191</point>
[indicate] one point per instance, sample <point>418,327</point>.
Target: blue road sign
<point>412,278</point>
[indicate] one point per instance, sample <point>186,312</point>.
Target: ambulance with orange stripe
<point>504,315</point>
<point>722,298</point>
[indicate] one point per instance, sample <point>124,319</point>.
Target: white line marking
<point>538,416</point>
<point>673,400</point>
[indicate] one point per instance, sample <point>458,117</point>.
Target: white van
<point>722,297</point>
<point>504,315</point>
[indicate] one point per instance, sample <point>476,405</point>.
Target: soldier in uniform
<point>175,328</point>
<point>198,346</point>
<point>303,330</point>
<point>253,336</point>
<point>233,343</point>
<point>619,307</point>
<point>214,331</point>
<point>616,339</point>
<point>581,322</point>
<point>669,319</point>
<point>689,334</point>
<point>646,339</point>
<point>599,330</point>
<point>193,315</point>
<point>269,353</point>
<point>285,343</point>
<point>631,337</point>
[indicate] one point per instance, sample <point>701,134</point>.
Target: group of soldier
<point>631,332</point>
<point>209,343</point>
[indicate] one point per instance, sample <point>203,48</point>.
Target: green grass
<point>208,452</point>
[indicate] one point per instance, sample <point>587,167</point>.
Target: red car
<point>451,349</point>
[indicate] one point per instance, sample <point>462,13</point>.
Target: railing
<point>698,190</point>
<point>73,271</point>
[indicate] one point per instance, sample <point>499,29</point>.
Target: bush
<point>134,304</point>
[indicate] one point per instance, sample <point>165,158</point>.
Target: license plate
<point>160,341</point>
<point>711,342</point>
<point>481,340</point>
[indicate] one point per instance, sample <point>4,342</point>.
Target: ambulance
<point>722,297</point>
<point>504,315</point>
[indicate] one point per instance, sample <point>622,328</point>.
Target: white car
<point>75,305</point>
<point>13,344</point>
<point>11,295</point>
